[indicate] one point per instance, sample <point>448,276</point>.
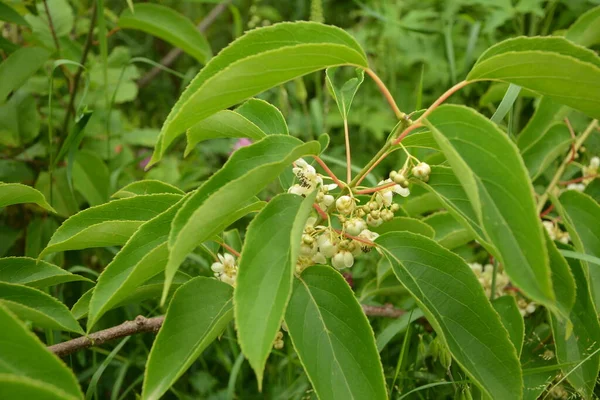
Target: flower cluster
<point>589,173</point>
<point>278,342</point>
<point>225,269</point>
<point>485,276</point>
<point>555,232</point>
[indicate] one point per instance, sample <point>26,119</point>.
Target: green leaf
<point>344,95</point>
<point>169,25</point>
<point>265,275</point>
<point>15,193</point>
<point>91,177</point>
<point>261,59</point>
<point>109,224</point>
<point>449,232</point>
<point>507,309</point>
<point>500,193</point>
<point>145,187</point>
<point>24,356</point>
<point>151,289</point>
<point>575,346</point>
<point>551,66</point>
<point>62,17</point>
<point>580,256</point>
<point>562,279</point>
<point>586,30</point>
<point>20,387</point>
<point>264,115</point>
<point>506,104</point>
<point>38,307</point>
<point>333,338</point>
<point>402,224</point>
<point>547,147</point>
<point>538,371</point>
<point>38,274</point>
<point>144,255</point>
<point>580,214</point>
<point>19,120</point>
<point>9,14</point>
<point>204,307</point>
<point>455,304</point>
<point>18,67</point>
<point>210,208</point>
<point>63,200</point>
<point>397,327</point>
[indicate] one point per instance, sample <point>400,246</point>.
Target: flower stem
<point>376,189</point>
<point>386,93</point>
<point>561,170</point>
<point>329,172</point>
<point>348,156</point>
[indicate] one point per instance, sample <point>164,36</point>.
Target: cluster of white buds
<point>555,232</point>
<point>345,205</point>
<point>278,342</point>
<point>589,173</point>
<point>225,269</point>
<point>422,171</point>
<point>485,276</point>
<point>324,199</point>
<point>308,178</point>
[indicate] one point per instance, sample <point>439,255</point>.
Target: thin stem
<point>329,172</point>
<point>371,165</point>
<point>365,241</point>
<point>561,170</point>
<point>322,213</point>
<point>577,180</point>
<point>376,189</point>
<point>51,25</point>
<point>573,136</point>
<point>408,130</point>
<point>386,93</point>
<point>348,156</point>
<point>547,211</point>
<point>228,248</point>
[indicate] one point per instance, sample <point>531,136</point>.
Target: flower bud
<point>345,204</point>
<point>421,171</point>
<point>400,180</point>
<point>387,215</point>
<point>343,259</point>
<point>354,226</point>
<point>393,175</point>
<point>375,214</point>
<point>395,207</point>
<point>375,222</point>
<point>326,246</point>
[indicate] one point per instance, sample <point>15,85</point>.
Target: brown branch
<point>172,55</point>
<point>51,25</point>
<point>86,50</point>
<point>127,328</point>
<point>142,324</point>
<point>383,311</point>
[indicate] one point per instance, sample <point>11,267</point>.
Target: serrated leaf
<point>333,338</point>
<point>538,156</point>
<point>38,274</point>
<point>175,349</point>
<point>448,231</point>
<point>586,30</point>
<point>574,347</point>
<point>344,95</point>
<point>20,387</point>
<point>580,214</point>
<point>38,307</point>
<point>401,224</point>
<point>63,200</point>
<point>145,187</point>
<point>18,67</point>
<point>397,327</point>
<point>562,279</point>
<point>169,25</point>
<point>455,304</point>
<point>493,176</point>
<point>15,193</point>
<point>507,309</point>
<point>144,255</point>
<point>265,274</point>
<point>264,115</point>
<point>550,66</point>
<point>209,209</point>
<point>259,60</point>
<point>109,224</point>
<point>36,363</point>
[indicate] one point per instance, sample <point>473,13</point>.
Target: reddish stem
<point>386,93</point>
<point>228,248</point>
<point>383,156</point>
<point>322,213</point>
<point>408,130</point>
<point>376,189</point>
<point>328,171</point>
<point>547,211</point>
<point>365,241</point>
<point>577,180</point>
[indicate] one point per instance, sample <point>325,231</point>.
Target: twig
<point>376,189</point>
<point>51,25</point>
<point>386,93</point>
<point>329,172</point>
<point>127,328</point>
<point>228,248</point>
<point>172,55</point>
<point>142,324</point>
<point>86,50</point>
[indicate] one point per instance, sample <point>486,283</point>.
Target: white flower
<point>385,196</point>
<point>225,269</point>
<point>298,190</point>
<point>343,259</point>
<point>476,268</point>
<point>422,170</point>
<point>308,177</point>
<point>580,187</point>
<point>326,246</point>
<point>319,258</point>
<point>345,205</point>
<point>550,229</point>
<point>375,222</point>
<point>368,235</point>
<point>595,162</point>
<point>308,248</point>
<point>354,226</point>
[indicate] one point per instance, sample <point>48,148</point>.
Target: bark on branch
<point>142,324</point>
